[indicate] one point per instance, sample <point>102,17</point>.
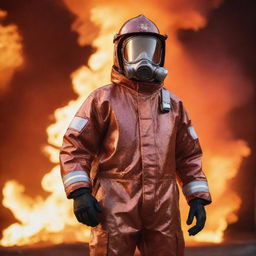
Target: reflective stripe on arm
<point>195,186</point>
<point>75,176</point>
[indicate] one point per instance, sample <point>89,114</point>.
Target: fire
<point>10,51</point>
<point>51,219</point>
<point>221,168</point>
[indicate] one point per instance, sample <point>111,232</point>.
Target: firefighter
<point>126,148</point>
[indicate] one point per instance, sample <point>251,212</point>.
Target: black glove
<point>197,210</point>
<point>86,207</point>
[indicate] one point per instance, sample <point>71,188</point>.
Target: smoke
<point>169,15</point>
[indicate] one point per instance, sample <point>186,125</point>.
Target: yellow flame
<point>51,219</point>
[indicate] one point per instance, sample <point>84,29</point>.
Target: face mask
<point>145,71</point>
<point>142,55</point>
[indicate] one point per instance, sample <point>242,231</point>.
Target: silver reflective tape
<point>166,96</point>
<point>192,132</point>
<point>195,186</point>
<point>75,176</point>
<point>78,123</point>
<point>165,103</point>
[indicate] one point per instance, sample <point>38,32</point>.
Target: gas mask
<point>142,57</point>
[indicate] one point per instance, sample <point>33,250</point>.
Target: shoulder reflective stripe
<point>195,186</point>
<point>78,123</point>
<point>75,176</point>
<point>192,132</point>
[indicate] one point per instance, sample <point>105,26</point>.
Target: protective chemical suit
<point>129,145</point>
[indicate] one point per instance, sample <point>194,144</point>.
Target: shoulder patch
<point>192,132</point>
<point>78,123</point>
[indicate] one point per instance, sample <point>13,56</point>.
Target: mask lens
<point>142,47</point>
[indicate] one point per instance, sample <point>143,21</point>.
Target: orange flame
<point>10,51</point>
<point>51,219</point>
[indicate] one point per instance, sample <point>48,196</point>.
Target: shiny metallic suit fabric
<point>131,155</point>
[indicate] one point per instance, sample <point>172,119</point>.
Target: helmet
<point>139,46</point>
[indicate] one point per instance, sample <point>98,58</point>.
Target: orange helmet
<point>139,25</point>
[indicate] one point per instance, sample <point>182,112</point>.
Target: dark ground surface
<point>237,249</point>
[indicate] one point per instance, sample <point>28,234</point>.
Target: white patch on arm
<point>192,132</point>
<point>78,123</point>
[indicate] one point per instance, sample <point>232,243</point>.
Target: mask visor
<point>142,47</point>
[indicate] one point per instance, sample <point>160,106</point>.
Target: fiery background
<point>53,53</point>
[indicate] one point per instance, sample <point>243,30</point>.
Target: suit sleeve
<point>189,160</point>
<point>81,143</point>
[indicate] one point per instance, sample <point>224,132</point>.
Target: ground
<point>245,248</point>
